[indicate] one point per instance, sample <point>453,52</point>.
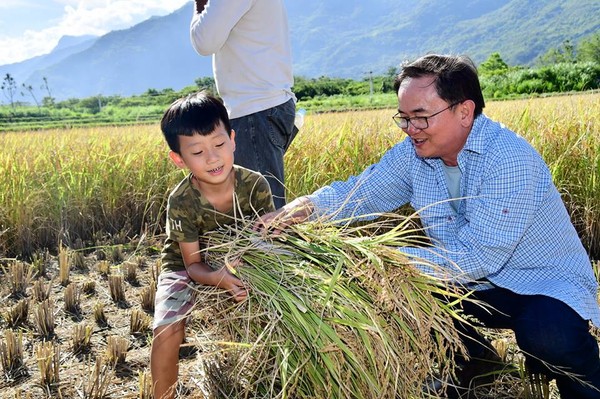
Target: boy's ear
<point>232,137</point>
<point>177,160</point>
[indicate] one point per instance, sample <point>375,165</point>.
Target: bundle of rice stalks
<point>332,312</point>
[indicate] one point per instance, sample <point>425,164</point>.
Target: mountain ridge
<point>336,38</point>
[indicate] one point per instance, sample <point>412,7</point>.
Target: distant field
<point>86,206</point>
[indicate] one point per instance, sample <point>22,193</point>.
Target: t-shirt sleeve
<point>181,225</point>
<point>262,196</point>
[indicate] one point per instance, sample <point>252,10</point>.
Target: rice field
<point>81,223</point>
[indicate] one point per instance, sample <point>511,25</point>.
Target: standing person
<point>213,194</point>
<point>252,66</point>
<point>496,220</point>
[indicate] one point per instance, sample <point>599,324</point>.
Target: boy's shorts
<point>174,298</point>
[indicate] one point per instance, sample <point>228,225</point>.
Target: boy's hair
<point>456,78</point>
<point>196,113</point>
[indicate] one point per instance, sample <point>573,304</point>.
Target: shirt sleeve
<point>262,199</point>
<point>210,29</point>
<point>382,187</point>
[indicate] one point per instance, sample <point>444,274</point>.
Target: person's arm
<point>210,29</point>
<point>202,273</point>
<point>294,212</point>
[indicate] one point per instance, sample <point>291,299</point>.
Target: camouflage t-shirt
<point>190,215</point>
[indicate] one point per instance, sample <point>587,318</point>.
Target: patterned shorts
<point>174,298</point>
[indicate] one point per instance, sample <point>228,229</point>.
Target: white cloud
<point>79,17</point>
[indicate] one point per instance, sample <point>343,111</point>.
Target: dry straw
<point>96,379</point>
<point>17,315</point>
<point>19,277</point>
<point>48,359</point>
<point>116,350</point>
<point>11,355</point>
<point>333,311</point>
<point>44,318</point>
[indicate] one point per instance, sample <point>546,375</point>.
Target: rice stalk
<point>332,312</point>
<point>144,385</point>
<point>100,315</point>
<point>147,297</point>
<point>129,270</point>
<point>44,318</point>
<point>41,290</point>
<point>11,355</point>
<point>17,315</point>
<point>96,379</point>
<point>139,323</point>
<point>19,276</point>
<point>104,268</point>
<point>81,338</point>
<point>116,350</point>
<point>89,287</point>
<point>47,354</point>
<point>115,284</point>
<point>72,297</point>
<point>64,266</point>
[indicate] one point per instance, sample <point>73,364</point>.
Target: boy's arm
<point>202,273</point>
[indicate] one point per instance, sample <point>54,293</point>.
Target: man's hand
<point>200,4</point>
<point>295,212</point>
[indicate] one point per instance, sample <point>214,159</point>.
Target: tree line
<point>563,69</point>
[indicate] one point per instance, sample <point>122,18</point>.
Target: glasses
<point>419,122</point>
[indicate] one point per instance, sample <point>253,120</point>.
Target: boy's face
<point>209,158</point>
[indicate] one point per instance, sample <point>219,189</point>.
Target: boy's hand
<point>227,281</point>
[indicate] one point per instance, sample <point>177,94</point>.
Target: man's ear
<point>177,160</point>
<point>232,137</point>
<point>467,112</point>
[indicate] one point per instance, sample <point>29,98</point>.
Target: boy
<point>216,192</point>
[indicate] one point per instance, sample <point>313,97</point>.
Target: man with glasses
<point>487,202</point>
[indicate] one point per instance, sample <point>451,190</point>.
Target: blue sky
<point>33,27</point>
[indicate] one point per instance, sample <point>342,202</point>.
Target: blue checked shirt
<point>511,227</point>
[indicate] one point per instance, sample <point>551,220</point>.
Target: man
<point>252,66</point>
<point>497,221</point>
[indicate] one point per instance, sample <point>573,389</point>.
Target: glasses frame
<point>403,122</point>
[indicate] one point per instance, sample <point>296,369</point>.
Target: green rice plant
<point>96,378</point>
<point>17,315</point>
<point>333,311</point>
<point>47,354</point>
<point>11,355</point>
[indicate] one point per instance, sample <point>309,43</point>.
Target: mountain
<point>337,38</point>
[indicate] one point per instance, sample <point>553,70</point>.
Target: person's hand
<point>295,212</point>
<point>227,281</point>
<point>200,4</point>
